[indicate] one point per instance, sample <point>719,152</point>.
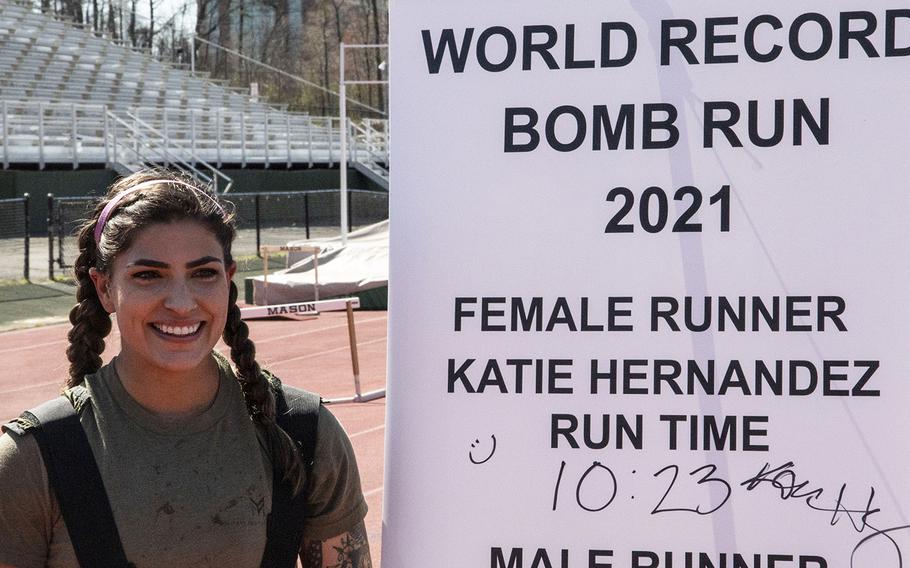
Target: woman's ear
<point>231,269</point>
<point>103,288</point>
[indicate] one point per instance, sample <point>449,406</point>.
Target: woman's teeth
<point>178,330</point>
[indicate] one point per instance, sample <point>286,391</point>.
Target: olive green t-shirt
<point>189,492</point>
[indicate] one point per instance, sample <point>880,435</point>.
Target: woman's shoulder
<point>19,455</point>
<point>330,430</point>
<point>22,470</point>
<point>27,510</point>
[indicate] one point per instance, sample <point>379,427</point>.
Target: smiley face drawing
<point>475,445</point>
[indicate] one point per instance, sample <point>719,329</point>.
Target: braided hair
<point>166,197</point>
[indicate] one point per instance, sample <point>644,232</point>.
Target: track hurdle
<point>313,308</point>
<point>355,364</point>
<point>298,308</point>
<point>266,250</point>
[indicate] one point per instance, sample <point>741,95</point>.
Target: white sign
<point>649,285</point>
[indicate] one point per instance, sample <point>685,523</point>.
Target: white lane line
<point>32,329</point>
<point>369,431</point>
<point>33,346</point>
<point>289,335</point>
<point>372,492</point>
<point>321,353</point>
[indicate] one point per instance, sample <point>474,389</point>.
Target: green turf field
<point>25,304</point>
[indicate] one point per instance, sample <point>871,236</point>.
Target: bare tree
<point>72,9</point>
<point>120,11</point>
<point>224,33</point>
<point>151,38</point>
<point>326,44</point>
<point>132,27</point>
<point>111,25</point>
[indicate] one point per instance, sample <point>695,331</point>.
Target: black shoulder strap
<point>76,481</point>
<point>297,412</point>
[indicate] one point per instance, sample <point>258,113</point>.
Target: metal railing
<point>264,137</point>
<point>41,132</point>
<point>370,147</point>
<point>141,145</point>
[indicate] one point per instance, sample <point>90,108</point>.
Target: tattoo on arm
<point>348,550</point>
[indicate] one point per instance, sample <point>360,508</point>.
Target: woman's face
<point>169,291</point>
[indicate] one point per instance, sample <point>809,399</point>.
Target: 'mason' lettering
<point>292,309</point>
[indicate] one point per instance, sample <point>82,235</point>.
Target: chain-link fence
<point>64,217</point>
<point>267,218</point>
<point>275,218</point>
<point>14,238</point>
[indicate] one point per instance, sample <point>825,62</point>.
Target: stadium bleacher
<point>69,96</point>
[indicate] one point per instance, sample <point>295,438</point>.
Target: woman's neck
<point>169,394</point>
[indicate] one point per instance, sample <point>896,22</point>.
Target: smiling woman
<point>170,301</point>
<point>190,463</point>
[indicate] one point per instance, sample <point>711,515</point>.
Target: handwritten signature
<point>784,479</point>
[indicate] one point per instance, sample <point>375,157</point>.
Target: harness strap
<point>77,484</point>
<point>297,412</point>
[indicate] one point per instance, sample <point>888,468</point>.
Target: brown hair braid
<point>260,401</point>
<point>170,197</point>
<point>91,323</point>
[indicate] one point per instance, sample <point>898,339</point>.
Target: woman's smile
<point>176,331</point>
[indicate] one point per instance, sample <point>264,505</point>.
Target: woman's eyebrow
<point>203,260</point>
<point>190,264</point>
<point>149,262</point>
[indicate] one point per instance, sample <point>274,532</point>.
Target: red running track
<point>313,354</point>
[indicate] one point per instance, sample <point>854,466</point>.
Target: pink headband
<point>112,204</point>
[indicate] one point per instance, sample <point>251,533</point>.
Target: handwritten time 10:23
<point>595,489</point>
